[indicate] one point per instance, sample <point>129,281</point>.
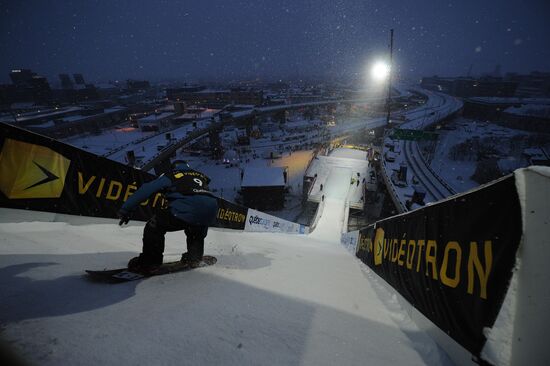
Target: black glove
<point>124,217</point>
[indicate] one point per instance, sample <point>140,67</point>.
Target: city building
<point>214,98</point>
<point>492,108</point>
<point>69,121</point>
<point>533,85</point>
<point>107,90</point>
<point>529,117</point>
<point>28,86</point>
<point>470,87</point>
<point>537,156</point>
<point>156,121</point>
<point>263,188</point>
<point>66,82</point>
<point>79,79</point>
<point>21,77</point>
<point>137,85</point>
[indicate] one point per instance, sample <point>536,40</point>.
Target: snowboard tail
<point>125,275</point>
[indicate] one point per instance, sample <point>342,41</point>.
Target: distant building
<point>469,87</point>
<point>305,97</point>
<point>214,98</point>
<point>179,107</point>
<point>66,82</point>
<point>278,86</point>
<point>264,188</point>
<point>79,79</point>
<point>137,85</point>
<point>156,121</point>
<point>69,121</point>
<point>28,87</point>
<point>175,94</point>
<point>107,90</point>
<point>537,156</point>
<point>21,77</point>
<point>492,108</point>
<point>533,85</point>
<point>529,117</point>
<point>7,96</point>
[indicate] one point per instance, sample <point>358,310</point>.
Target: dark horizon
<point>291,40</point>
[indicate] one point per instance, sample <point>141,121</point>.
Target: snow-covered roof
<point>44,125</point>
<point>536,110</point>
<point>186,116</point>
<point>299,124</point>
<point>74,118</point>
<point>116,108</point>
<point>168,108</point>
<point>48,113</point>
<point>105,86</point>
<point>534,152</point>
<point>263,177</point>
<point>244,106</point>
<point>208,91</point>
<point>155,117</point>
<point>80,117</point>
<point>510,100</point>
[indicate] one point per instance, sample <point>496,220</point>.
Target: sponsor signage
<point>349,240</point>
<point>260,221</point>
<point>43,174</point>
<point>453,260</point>
<point>231,215</point>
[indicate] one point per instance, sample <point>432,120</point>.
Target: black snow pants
<point>161,223</point>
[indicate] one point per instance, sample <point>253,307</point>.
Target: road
<point>438,107</point>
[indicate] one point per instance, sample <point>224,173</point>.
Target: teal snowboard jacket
<point>187,193</point>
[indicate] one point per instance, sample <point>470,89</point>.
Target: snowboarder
<point>191,207</point>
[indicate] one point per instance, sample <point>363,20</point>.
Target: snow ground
<point>336,190</point>
<point>270,299</point>
<point>457,173</point>
<point>354,160</point>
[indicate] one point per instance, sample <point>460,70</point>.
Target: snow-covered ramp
<point>271,299</point>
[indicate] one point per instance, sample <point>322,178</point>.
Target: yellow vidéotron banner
<point>31,171</point>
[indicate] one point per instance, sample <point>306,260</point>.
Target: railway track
<point>431,182</point>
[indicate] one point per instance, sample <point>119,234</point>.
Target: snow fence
<point>471,270</point>
<point>42,174</point>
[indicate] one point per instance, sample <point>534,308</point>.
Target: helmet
<point>179,164</point>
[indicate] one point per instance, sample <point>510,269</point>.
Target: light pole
<point>388,100</point>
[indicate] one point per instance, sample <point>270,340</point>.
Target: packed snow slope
<point>271,299</point>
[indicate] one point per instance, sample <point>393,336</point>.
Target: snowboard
<point>121,275</point>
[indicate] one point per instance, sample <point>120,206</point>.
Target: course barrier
<point>471,269</point>
<point>258,221</point>
<point>42,174</point>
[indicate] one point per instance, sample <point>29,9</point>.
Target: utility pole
<point>388,101</point>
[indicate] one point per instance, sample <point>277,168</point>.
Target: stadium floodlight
<point>380,71</point>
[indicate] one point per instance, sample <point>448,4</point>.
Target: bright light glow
<point>380,71</point>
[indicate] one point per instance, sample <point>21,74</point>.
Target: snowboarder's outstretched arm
<point>143,193</point>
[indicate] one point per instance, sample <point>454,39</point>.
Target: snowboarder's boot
<point>142,265</point>
<point>193,262</point>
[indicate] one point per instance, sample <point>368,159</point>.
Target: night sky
<point>270,39</point>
